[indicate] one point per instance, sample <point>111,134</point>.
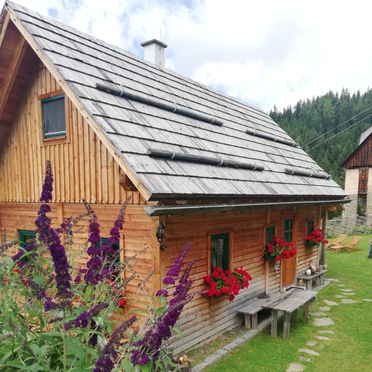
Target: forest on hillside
<point>309,119</point>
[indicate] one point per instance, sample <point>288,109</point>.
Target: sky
<point>266,52</point>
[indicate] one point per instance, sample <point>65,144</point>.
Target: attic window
<point>53,116</point>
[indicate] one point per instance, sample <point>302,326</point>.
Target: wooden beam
<point>4,27</point>
<point>78,104</point>
<point>12,72</point>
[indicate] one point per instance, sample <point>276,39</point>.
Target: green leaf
<point>8,262</point>
<point>38,279</point>
<point>88,292</point>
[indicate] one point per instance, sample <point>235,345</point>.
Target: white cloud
<point>266,52</point>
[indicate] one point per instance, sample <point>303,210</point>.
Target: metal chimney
<point>154,52</point>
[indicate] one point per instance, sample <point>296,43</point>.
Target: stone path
<point>323,320</point>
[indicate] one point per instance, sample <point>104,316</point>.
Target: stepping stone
<point>323,322</point>
<point>348,301</point>
<point>341,285</point>
<point>318,313</point>
<point>349,293</point>
<point>326,331</point>
<point>295,367</point>
<point>367,299</point>
<point>330,303</point>
<point>323,338</point>
<point>339,296</point>
<point>304,359</point>
<point>324,308</point>
<point>346,290</point>
<point>309,351</point>
<point>311,343</point>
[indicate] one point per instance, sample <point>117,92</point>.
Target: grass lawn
<point>349,348</point>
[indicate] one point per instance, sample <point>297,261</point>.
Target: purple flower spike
<point>83,319</point>
<point>107,359</point>
<point>51,238</point>
<point>46,194</point>
<point>148,348</point>
<point>162,292</point>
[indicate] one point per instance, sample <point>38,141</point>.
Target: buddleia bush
<point>54,318</point>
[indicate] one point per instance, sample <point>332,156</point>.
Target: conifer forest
<point>329,114</point>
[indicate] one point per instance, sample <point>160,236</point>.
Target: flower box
<point>314,239</point>
<point>224,282</point>
<point>278,249</point>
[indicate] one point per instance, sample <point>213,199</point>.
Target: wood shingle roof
<point>134,127</point>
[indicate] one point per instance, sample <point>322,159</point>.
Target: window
<point>53,116</point>
<point>309,226</point>
<point>26,237</point>
<point>105,241</point>
<point>269,235</point>
<point>220,251</point>
<point>288,230</point>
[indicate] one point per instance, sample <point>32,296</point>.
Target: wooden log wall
<point>204,318</point>
<point>135,236</point>
<point>82,166</point>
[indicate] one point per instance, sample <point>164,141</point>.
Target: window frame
<point>62,137</point>
<point>288,230</point>
<point>308,231</point>
<point>267,226</point>
<point>210,234</point>
<point>22,233</point>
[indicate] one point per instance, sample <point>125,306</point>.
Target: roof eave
<point>188,209</point>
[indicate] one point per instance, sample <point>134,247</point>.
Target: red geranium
<point>279,249</point>
<point>225,282</point>
<point>315,238</point>
<point>122,302</point>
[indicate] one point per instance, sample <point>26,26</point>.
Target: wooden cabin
<point>358,180</point>
<point>196,165</point>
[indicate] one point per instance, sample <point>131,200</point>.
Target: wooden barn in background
<point>196,164</point>
<point>358,180</point>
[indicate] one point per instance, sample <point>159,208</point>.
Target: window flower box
<point>315,238</point>
<point>279,249</point>
<point>224,282</point>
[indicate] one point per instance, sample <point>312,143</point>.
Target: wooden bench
<point>290,305</point>
<point>251,309</point>
<point>308,280</point>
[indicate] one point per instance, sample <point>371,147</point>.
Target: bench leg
<point>295,315</point>
<point>309,285</point>
<point>322,280</point>
<point>306,311</point>
<point>247,321</point>
<point>274,323</point>
<point>286,325</point>
<point>254,318</point>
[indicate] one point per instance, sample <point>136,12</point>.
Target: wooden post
<point>322,261</point>
<point>306,311</point>
<point>286,325</point>
<point>274,323</point>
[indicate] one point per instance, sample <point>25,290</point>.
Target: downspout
<point>322,261</point>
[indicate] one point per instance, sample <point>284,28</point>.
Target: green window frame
<point>220,251</point>
<point>269,234</point>
<point>309,226</point>
<point>288,230</point>
<point>26,237</point>
<point>61,117</point>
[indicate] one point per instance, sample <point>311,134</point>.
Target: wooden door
<point>289,264</point>
<point>288,271</point>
